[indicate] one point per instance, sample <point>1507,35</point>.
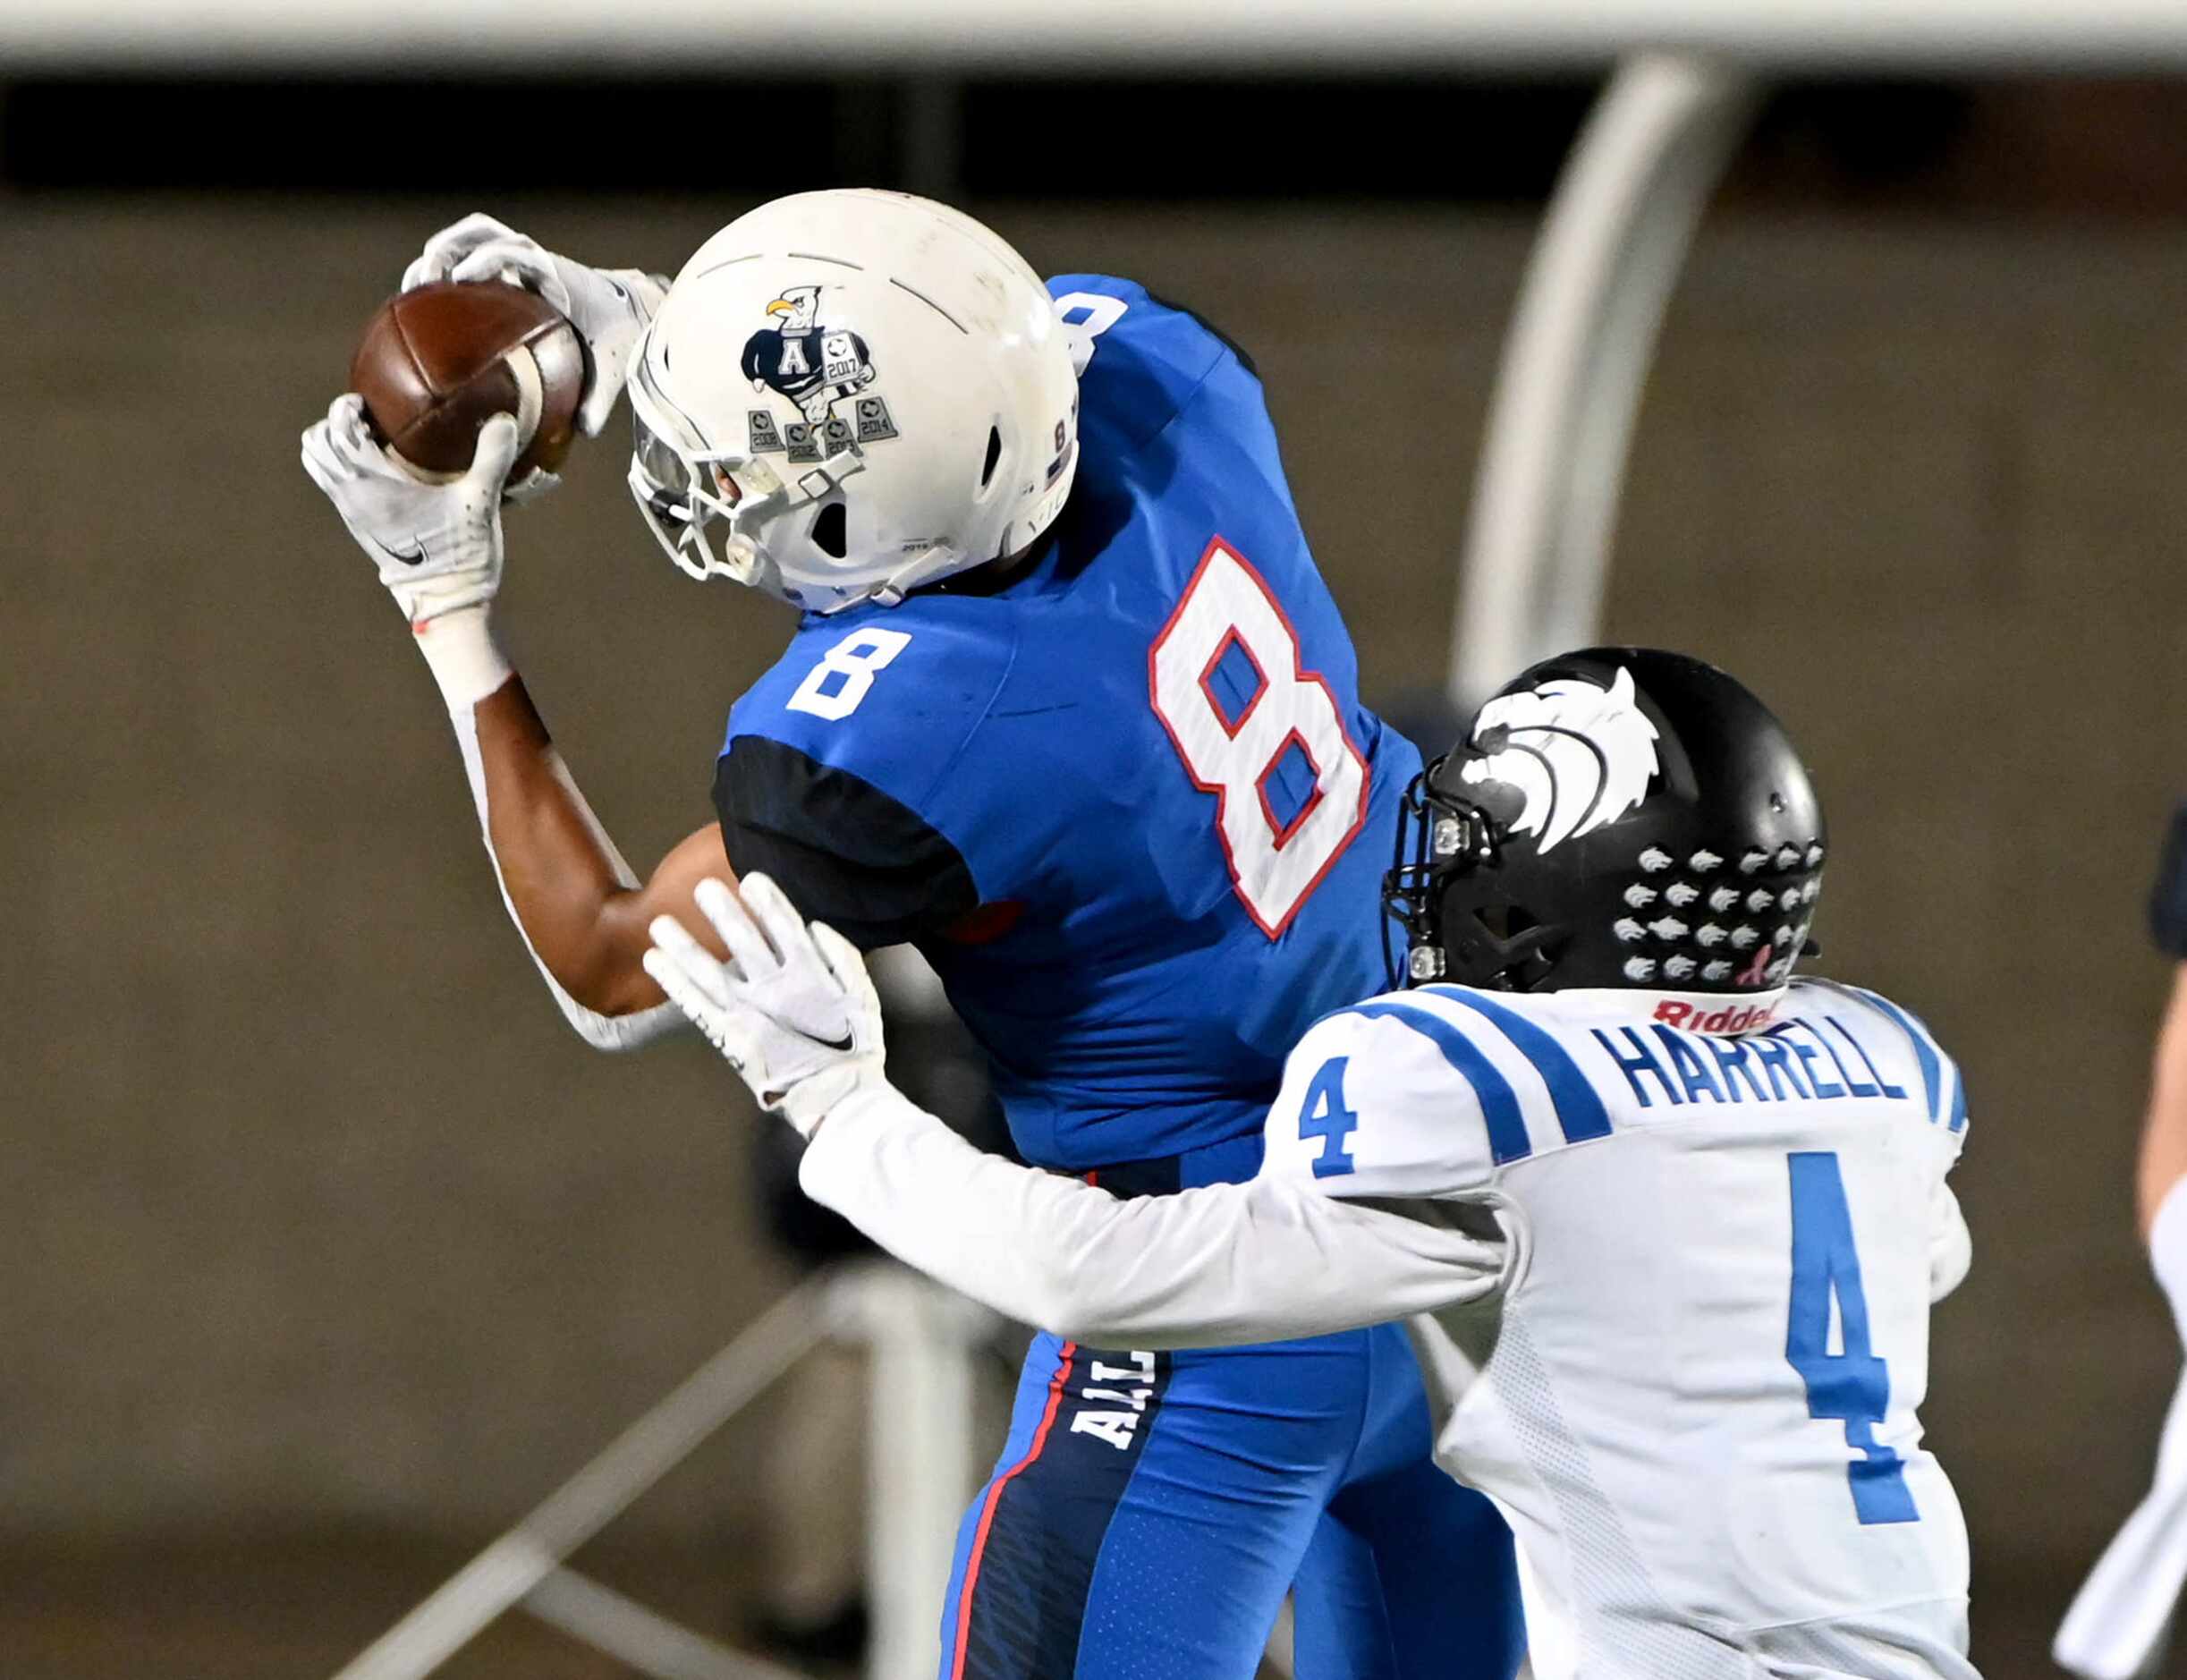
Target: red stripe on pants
<point>1057,1385</point>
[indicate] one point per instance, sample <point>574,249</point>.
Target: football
<point>435,363</point>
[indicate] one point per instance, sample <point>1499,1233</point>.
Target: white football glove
<point>792,1010</point>
<point>437,545</point>
<point>609,307</point>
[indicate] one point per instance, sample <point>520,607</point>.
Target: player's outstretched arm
<point>794,1012</point>
<point>583,911</point>
<point>1221,1266</point>
<point>581,907</point>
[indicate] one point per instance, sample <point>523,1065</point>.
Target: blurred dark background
<point>2112,148</point>
<point>327,1250</point>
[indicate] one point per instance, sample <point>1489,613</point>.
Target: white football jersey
<point>1694,1396</point>
<point>1675,1255</point>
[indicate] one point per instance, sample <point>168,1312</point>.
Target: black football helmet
<point>1619,816</point>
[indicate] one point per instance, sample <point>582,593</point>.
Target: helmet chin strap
<point>936,560</point>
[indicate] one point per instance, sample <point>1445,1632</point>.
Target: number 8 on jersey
<point>834,687</point>
<point>1286,726</point>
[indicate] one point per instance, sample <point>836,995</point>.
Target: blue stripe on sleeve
<point>1923,1051</point>
<point>1959,1099</point>
<point>1579,1110</point>
<point>1499,1104</point>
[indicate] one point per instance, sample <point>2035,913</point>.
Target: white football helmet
<point>849,393</point>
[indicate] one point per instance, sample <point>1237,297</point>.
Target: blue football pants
<point>1149,1511</point>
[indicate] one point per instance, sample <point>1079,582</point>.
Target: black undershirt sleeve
<point>847,854</point>
<point>2168,896</point>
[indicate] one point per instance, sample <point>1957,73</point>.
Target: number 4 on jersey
<point>1324,1116</point>
<point>1852,1386</point>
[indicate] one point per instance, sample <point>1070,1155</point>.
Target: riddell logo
<point>1731,1018</point>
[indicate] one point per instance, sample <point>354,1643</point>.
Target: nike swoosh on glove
<point>792,1010</point>
<point>437,545</point>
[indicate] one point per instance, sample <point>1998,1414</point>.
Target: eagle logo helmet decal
<point>801,357</point>
<point>1579,754</point>
<point>814,365</point>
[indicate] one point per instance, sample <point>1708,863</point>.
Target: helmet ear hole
<point>995,456</point>
<point>831,531</point>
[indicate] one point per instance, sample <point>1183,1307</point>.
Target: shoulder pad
<point>889,694</point>
<point>1140,359</point>
<point>1424,1093</point>
<point>1942,1091</point>
<point>896,698</point>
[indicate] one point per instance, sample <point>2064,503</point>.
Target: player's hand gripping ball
<point>608,307</point>
<point>441,360</point>
<point>464,395</point>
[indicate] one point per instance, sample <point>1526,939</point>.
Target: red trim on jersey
<point>1284,831</point>
<point>1056,1384</point>
<point>1300,672</point>
<point>1231,639</point>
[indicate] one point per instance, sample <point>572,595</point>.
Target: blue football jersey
<point>1141,763</point>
